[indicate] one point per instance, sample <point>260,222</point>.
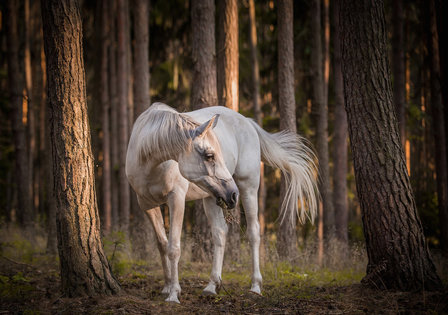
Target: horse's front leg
<point>250,204</point>
<point>219,233</point>
<point>176,204</point>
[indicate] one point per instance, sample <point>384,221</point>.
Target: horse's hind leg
<point>219,233</point>
<point>162,243</point>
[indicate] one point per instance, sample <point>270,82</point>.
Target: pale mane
<point>161,133</point>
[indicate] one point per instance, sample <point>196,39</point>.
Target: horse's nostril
<point>234,197</point>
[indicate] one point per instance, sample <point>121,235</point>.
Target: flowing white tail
<point>288,152</point>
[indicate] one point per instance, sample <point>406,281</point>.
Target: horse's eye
<point>209,156</point>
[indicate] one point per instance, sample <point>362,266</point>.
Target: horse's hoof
<point>173,299</point>
<point>209,290</point>
<point>255,289</point>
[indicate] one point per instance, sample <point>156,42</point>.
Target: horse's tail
<point>293,156</point>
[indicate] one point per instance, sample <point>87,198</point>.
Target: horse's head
<point>203,164</point>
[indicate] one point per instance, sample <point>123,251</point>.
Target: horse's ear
<point>202,130</point>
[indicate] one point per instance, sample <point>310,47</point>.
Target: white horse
<point>212,154</point>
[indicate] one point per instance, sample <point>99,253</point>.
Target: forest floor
<point>30,284</point>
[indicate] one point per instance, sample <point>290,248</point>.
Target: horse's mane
<point>161,132</point>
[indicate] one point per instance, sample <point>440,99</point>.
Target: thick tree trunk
<point>287,238</point>
<point>340,137</point>
<point>16,84</point>
<point>397,251</point>
<point>227,83</point>
<point>122,89</point>
<point>320,107</point>
<point>84,267</point>
<point>439,128</point>
<point>105,104</point>
<point>204,93</point>
<point>398,63</point>
<point>140,9</point>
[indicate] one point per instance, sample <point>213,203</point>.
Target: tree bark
<point>105,104</point>
<point>140,10</point>
<point>113,97</point>
<point>398,257</point>
<point>439,128</point>
<point>84,267</point>
<point>227,83</point>
<point>399,68</point>
<point>122,90</point>
<point>204,93</point>
<point>321,112</point>
<point>340,137</point>
<point>257,111</point>
<point>287,238</point>
<point>16,85</point>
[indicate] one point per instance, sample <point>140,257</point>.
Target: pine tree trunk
<point>113,97</point>
<point>340,137</point>
<point>16,84</point>
<point>122,89</point>
<point>399,68</point>
<point>287,238</point>
<point>396,247</point>
<point>439,128</point>
<point>227,83</point>
<point>203,93</point>
<point>321,111</point>
<point>84,267</point>
<point>257,112</point>
<point>140,9</point>
<point>105,104</point>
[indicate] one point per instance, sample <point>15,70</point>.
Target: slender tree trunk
<point>31,124</point>
<point>122,89</point>
<point>204,93</point>
<point>439,128</point>
<point>113,97</point>
<point>340,137</point>
<point>105,104</point>
<point>84,267</point>
<point>227,83</point>
<point>257,112</point>
<point>321,111</point>
<point>399,68</point>
<point>142,232</point>
<point>287,238</point>
<point>140,10</point>
<point>396,247</point>
<point>15,78</point>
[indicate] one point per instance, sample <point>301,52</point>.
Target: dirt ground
<point>29,289</point>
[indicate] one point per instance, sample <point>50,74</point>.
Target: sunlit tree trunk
<point>287,238</point>
<point>340,137</point>
<point>398,257</point>
<point>122,119</point>
<point>203,93</point>
<point>227,83</point>
<point>398,64</point>
<point>15,79</point>
<point>84,267</point>
<point>439,128</point>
